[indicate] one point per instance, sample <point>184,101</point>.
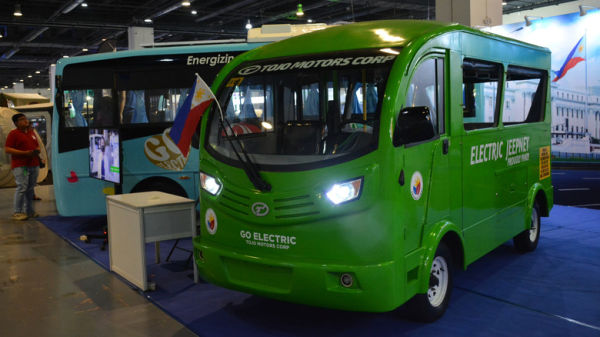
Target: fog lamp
<point>346,280</point>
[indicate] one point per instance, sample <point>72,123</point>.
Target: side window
<point>480,93</point>
<point>104,107</point>
<point>150,105</point>
<point>77,106</point>
<point>426,88</point>
<point>83,107</point>
<point>525,95</point>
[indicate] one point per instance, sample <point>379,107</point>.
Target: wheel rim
<point>438,281</point>
<point>533,232</point>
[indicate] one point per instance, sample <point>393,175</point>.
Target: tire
<point>160,184</point>
<point>430,306</point>
<point>527,240</point>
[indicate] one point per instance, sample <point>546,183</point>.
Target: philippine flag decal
<point>416,185</point>
<point>210,220</point>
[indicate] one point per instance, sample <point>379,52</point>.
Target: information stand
<point>135,219</point>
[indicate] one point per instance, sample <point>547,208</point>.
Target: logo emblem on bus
<point>164,153</point>
<point>416,185</point>
<point>210,219</point>
<point>260,209</point>
<point>249,70</point>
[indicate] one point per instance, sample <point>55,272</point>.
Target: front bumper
<point>374,288</point>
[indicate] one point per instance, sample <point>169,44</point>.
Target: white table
<point>135,219</point>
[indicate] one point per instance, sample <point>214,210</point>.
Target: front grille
<point>235,201</point>
<point>294,207</point>
<point>282,207</point>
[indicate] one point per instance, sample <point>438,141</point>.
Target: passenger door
<point>482,157</point>
<point>424,189</point>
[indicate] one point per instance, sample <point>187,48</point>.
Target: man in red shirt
<point>22,145</point>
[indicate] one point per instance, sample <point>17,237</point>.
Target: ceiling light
<point>66,56</point>
<point>84,49</point>
<point>71,6</point>
<point>503,3</point>
<point>1,36</point>
<point>21,80</point>
<point>186,3</point>
<point>148,20</point>
<point>37,71</point>
<point>248,25</point>
<point>29,76</point>
<point>83,4</point>
<point>194,12</point>
<point>309,20</point>
<point>299,12</point>
<point>17,11</point>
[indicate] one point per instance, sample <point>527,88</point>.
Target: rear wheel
<point>527,240</point>
<point>430,306</point>
<point>160,184</point>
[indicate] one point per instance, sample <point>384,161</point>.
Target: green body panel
<point>385,239</point>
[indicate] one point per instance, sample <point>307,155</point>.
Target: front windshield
<point>288,118</point>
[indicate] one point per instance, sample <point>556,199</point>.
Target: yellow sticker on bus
<point>544,162</point>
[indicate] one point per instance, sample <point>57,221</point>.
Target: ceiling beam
<point>119,26</point>
<point>224,10</point>
<point>43,45</point>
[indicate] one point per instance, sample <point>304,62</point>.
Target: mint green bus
<point>359,166</point>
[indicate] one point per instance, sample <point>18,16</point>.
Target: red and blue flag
<point>189,115</point>
<point>575,56</point>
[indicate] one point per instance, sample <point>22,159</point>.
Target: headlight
<point>344,192</point>
<point>209,183</point>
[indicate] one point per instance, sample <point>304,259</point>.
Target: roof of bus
<point>365,35</point>
<point>207,48</point>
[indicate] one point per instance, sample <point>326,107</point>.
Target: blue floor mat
<point>554,291</point>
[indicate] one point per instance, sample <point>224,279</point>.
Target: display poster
<point>575,80</point>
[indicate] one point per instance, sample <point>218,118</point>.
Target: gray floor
<point>48,288</point>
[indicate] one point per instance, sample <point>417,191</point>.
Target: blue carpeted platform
<point>554,291</point>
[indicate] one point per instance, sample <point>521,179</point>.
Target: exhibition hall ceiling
<point>50,29</point>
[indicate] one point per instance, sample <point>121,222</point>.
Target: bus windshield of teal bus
<point>303,112</point>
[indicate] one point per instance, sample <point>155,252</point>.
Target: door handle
<point>445,145</point>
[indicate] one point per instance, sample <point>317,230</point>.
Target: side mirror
<point>413,125</point>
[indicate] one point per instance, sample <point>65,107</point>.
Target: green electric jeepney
<point>356,167</point>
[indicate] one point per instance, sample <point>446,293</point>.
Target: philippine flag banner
<point>189,114</point>
<point>575,56</point>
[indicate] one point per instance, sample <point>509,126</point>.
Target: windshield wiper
<point>249,167</point>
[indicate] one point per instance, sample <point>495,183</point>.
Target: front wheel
<point>527,240</point>
<point>432,305</point>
